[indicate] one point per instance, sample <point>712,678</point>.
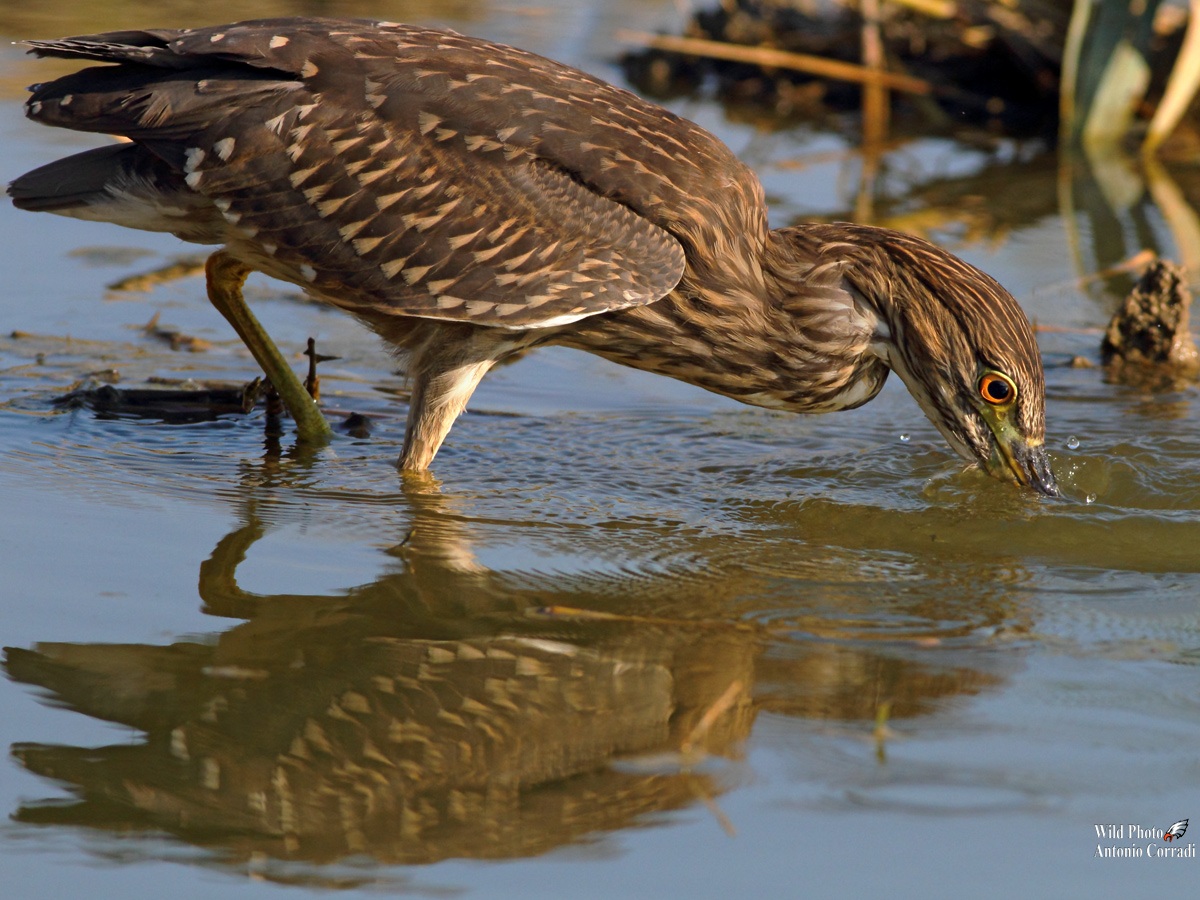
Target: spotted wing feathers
<point>338,163</point>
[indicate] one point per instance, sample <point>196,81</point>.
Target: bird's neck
<point>769,333</point>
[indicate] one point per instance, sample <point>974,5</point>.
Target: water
<point>639,640</point>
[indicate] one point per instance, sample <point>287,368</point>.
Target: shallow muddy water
<point>637,640</point>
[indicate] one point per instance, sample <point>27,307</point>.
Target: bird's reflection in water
<point>446,710</point>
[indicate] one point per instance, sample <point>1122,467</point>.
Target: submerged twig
<point>176,338</point>
<point>143,281</point>
<point>312,381</point>
<point>714,712</point>
<point>710,804</point>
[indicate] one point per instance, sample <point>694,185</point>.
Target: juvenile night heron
<point>470,201</point>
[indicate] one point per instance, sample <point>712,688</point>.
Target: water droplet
<point>905,438</point>
<point>1072,443</point>
<point>1090,498</point>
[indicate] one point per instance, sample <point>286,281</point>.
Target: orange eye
<point>997,389</point>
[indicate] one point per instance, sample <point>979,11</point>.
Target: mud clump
<point>1150,332</point>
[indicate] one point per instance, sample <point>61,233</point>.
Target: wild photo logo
<point>1176,831</point>
<point>1125,841</point>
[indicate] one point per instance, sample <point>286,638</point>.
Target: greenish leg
<point>226,276</point>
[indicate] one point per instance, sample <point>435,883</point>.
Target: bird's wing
<point>398,169</point>
<point>1178,829</point>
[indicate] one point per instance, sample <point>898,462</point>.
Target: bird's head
<point>962,345</point>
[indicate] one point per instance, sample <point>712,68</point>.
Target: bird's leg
<point>226,276</point>
<point>439,395</point>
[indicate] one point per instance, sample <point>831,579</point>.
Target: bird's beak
<point>1031,466</point>
<point>1016,458</point>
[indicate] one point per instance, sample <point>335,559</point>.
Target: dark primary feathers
<point>470,201</point>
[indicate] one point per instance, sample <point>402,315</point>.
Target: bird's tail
<point>120,183</point>
<point>148,47</point>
